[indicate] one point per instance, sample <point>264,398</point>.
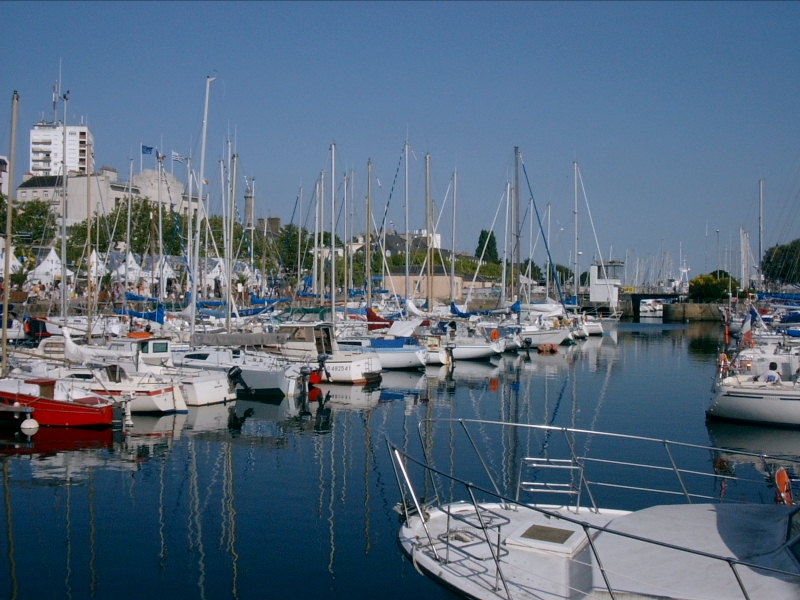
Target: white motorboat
<point>252,371</point>
<point>524,521</point>
<point>313,344</point>
<point>738,398</point>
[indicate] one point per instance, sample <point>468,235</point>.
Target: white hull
<point>204,390</point>
<point>542,534</point>
<point>401,358</point>
<point>259,373</point>
<point>476,351</point>
<point>740,399</point>
<point>539,337</point>
<point>537,564</point>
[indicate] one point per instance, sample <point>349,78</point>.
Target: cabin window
<point>160,347</point>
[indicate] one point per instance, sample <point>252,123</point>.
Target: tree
<point>486,239</point>
<point>32,222</point>
<point>781,264</point>
<point>712,287</point>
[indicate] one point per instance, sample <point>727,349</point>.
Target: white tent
<point>49,270</point>
<point>131,267</point>
<point>14,264</point>
<point>97,266</point>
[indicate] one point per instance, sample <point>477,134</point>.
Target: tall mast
<point>333,234</point>
<point>200,184</point>
<point>367,240</point>
<point>65,98</point>
<point>428,211</point>
<point>760,233</point>
<point>128,237</point>
<point>453,240</point>
<point>9,213</point>
<point>515,221</point>
<point>408,241</point>
<point>575,274</point>
<point>91,272</point>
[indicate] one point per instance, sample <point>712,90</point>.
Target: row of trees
<point>277,255</point>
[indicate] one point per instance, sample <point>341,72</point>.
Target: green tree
<point>487,239</point>
<point>781,263</point>
<point>713,287</point>
<point>32,223</point>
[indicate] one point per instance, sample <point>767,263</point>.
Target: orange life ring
<point>494,335</point>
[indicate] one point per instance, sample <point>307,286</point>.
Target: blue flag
<point>147,149</point>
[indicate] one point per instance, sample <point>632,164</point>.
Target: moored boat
<point>53,405</point>
<point>526,521</point>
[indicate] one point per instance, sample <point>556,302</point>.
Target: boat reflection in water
<point>49,441</point>
<point>752,443</point>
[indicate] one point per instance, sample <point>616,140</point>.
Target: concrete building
<point>101,193</point>
<point>47,149</point>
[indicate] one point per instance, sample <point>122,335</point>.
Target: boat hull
<point>88,412</point>
<point>756,402</point>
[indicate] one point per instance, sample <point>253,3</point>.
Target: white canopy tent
<point>49,270</point>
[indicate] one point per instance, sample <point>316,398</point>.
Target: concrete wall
<point>679,312</point>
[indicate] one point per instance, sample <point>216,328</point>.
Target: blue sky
<point>673,110</point>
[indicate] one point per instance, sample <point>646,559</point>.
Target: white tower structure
<point>47,148</point>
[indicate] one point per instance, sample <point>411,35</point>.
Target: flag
<point>177,157</point>
<point>147,149</point>
<point>747,332</point>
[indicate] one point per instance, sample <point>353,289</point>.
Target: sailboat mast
<point>575,274</point>
<point>128,238</point>
<point>760,233</point>
<point>9,213</point>
<point>65,98</point>
<point>333,234</point>
<point>407,239</point>
<point>515,220</point>
<point>503,287</point>
<point>196,249</point>
<point>91,271</point>
<point>453,240</point>
<point>428,211</point>
<point>367,238</point>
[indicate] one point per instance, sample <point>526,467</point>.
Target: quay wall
<point>680,312</point>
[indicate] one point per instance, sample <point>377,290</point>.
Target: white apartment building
<point>47,149</point>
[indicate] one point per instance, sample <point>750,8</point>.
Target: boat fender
<point>495,335</point>
<point>783,487</point>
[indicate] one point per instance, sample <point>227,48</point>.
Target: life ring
<point>783,487</point>
<point>494,335</point>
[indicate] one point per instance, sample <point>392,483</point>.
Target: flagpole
<point>141,152</point>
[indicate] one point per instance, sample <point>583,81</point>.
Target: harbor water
<point>292,499</point>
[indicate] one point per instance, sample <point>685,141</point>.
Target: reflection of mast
<point>229,518</point>
<point>10,558</point>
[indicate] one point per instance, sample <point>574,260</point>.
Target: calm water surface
<point>282,502</point>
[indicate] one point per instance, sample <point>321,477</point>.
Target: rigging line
<point>391,193</point>
<point>544,238</point>
<point>591,222</point>
<point>483,250</point>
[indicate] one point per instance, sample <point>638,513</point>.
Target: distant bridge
<point>637,298</point>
